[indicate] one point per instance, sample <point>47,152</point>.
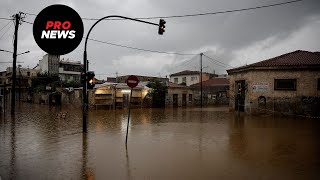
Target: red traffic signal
<point>161,26</point>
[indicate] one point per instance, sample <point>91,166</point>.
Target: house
<point>289,83</point>
<point>117,95</point>
<point>23,81</point>
<point>179,95</point>
<point>214,91</point>
<point>70,71</point>
<point>189,77</point>
<point>67,70</point>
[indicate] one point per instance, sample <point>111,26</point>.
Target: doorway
<point>184,99</point>
<point>175,100</point>
<point>240,92</point>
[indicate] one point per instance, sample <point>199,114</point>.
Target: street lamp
<point>85,69</point>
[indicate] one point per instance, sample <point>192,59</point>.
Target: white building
<point>189,77</point>
<point>70,71</point>
<point>50,64</point>
<point>67,70</point>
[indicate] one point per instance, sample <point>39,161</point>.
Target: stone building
<point>179,95</point>
<point>288,84</point>
<point>214,91</point>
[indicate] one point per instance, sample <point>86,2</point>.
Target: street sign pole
<point>128,117</point>
<point>132,82</point>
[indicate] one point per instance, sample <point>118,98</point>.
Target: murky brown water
<point>38,143</point>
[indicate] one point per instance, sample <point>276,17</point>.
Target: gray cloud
<point>221,37</point>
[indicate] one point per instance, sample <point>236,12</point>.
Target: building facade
<point>49,64</point>
<point>23,81</point>
<point>117,95</point>
<point>67,70</point>
<point>214,91</point>
<point>70,71</point>
<point>179,95</point>
<point>189,77</point>
<point>288,84</point>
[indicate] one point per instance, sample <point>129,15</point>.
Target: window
<point>175,80</point>
<point>193,78</point>
<point>285,84</point>
<point>319,84</point>
<point>184,79</point>
<point>190,97</point>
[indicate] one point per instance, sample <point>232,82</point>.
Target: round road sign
<point>132,81</point>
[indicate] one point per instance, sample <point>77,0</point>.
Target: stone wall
<point>277,100</point>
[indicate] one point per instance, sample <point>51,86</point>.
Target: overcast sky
<point>234,39</point>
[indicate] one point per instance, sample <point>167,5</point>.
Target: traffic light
<point>83,78</point>
<point>90,80</point>
<point>161,26</point>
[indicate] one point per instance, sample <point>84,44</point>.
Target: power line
<point>5,25</point>
<point>184,64</point>
<point>135,48</point>
<point>6,30</point>
<point>140,49</point>
<point>6,18</point>
<point>27,22</point>
<point>201,14</point>
<point>225,65</point>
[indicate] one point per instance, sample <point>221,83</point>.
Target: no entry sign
<point>132,81</point>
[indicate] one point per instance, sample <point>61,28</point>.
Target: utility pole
<point>20,76</point>
<point>14,64</point>
<point>201,54</point>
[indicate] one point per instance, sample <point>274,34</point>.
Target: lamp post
<point>85,69</point>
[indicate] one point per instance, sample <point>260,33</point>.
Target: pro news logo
<point>58,29</point>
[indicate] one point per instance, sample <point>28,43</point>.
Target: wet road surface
<point>42,142</point>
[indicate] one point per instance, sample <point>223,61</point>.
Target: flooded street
<point>43,142</point>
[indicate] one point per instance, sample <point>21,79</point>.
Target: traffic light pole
<point>84,90</point>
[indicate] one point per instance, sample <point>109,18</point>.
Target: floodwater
<point>42,142</point>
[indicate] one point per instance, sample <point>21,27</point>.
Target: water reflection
<point>189,143</point>
<point>87,173</point>
<point>13,148</point>
<point>128,164</point>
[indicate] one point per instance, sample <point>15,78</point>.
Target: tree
<point>42,80</point>
<point>158,93</point>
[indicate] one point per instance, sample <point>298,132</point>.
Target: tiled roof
<point>186,72</point>
<point>214,82</point>
<point>295,58</point>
